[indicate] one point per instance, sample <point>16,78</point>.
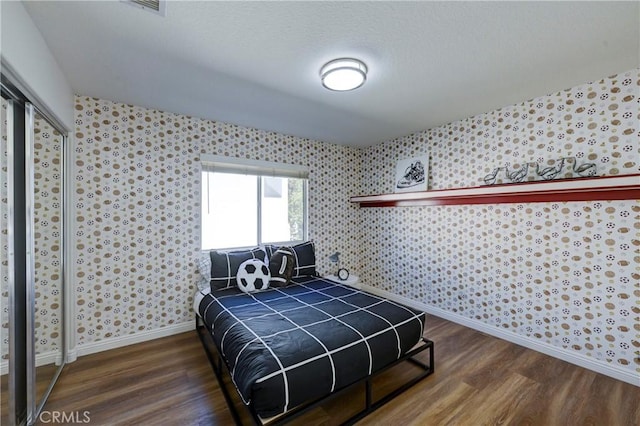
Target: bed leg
<point>432,366</point>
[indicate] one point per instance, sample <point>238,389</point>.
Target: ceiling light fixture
<point>343,74</point>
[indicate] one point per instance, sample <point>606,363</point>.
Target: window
<point>248,203</point>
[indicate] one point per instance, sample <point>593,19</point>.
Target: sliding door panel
<point>5,297</point>
<point>32,341</point>
<point>47,237</point>
<point>14,237</point>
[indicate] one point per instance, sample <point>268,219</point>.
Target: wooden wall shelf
<point>625,187</point>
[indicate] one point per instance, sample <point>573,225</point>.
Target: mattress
<point>286,346</point>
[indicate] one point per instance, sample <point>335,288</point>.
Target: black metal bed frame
<point>217,364</point>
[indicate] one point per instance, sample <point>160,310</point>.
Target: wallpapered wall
<point>47,228</point>
<point>566,274</point>
<point>137,201</point>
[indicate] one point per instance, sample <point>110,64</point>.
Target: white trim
<point>72,355</point>
<point>45,358</point>
<point>51,357</point>
<point>131,339</point>
<point>545,348</point>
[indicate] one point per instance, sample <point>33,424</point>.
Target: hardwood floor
<point>479,380</point>
<point>44,375</point>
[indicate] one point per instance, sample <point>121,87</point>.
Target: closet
<point>32,247</point>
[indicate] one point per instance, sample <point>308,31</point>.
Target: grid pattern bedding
<point>286,346</point>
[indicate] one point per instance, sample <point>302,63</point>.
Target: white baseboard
<point>72,355</point>
<point>130,339</point>
<point>53,357</point>
<point>45,358</point>
<point>543,347</point>
<point>106,344</point>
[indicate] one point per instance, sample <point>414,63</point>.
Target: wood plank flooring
<point>479,380</point>
<point>44,375</point>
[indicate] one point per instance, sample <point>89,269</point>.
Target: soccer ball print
<point>253,275</point>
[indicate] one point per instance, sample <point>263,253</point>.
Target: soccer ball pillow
<point>253,275</point>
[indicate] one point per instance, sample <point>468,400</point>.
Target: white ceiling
<point>256,63</point>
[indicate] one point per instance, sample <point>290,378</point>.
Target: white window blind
<point>224,164</point>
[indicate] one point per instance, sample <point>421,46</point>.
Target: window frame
<point>259,169</point>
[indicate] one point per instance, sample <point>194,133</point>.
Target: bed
<point>275,343</point>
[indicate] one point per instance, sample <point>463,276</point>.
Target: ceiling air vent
<point>156,6</point>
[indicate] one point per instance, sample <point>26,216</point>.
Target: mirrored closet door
<point>31,257</point>
<point>4,267</point>
<point>47,143</point>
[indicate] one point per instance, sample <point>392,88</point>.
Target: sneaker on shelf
<point>413,175</point>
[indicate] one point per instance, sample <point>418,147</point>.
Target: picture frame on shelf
<point>412,174</point>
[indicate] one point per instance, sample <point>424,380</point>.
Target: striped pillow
<point>304,258</point>
<point>225,265</point>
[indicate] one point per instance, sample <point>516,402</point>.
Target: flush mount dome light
<point>343,74</point>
